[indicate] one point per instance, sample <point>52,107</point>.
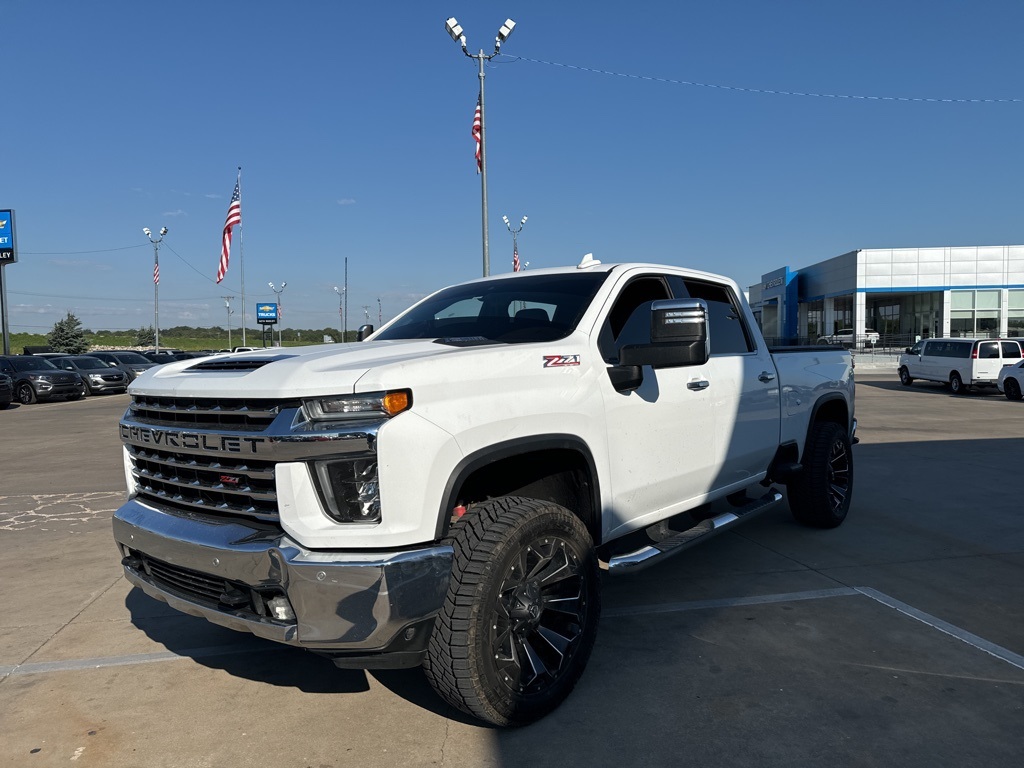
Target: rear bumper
<point>238,574</point>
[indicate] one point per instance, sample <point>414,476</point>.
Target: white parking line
<point>979,643</point>
<point>945,627</point>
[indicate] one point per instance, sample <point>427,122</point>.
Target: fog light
<point>280,608</point>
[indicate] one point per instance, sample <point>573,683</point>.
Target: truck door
<point>743,386</point>
<point>661,436</point>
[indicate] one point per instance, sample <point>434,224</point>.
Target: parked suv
<point>97,375</point>
<point>960,363</point>
<point>6,390</point>
<point>36,378</point>
<point>847,338</point>
<point>131,363</point>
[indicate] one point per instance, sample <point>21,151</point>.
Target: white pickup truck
<point>445,492</point>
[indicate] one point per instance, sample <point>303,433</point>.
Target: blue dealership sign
<point>7,252</point>
<point>266,314</point>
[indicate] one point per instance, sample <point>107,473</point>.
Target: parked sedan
<point>6,390</point>
<point>36,378</point>
<point>1011,381</point>
<point>98,376</point>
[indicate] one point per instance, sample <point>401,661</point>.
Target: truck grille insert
<point>209,485</point>
<point>203,588</point>
<point>207,413</point>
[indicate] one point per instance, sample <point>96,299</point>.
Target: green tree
<point>68,336</point>
<point>145,337</point>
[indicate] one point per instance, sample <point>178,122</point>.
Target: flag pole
<point>241,257</point>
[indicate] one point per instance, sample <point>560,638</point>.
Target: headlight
<point>97,377</point>
<point>353,406</point>
<point>349,489</point>
<point>38,377</point>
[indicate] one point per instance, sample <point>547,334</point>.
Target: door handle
<point>698,385</point>
<point>766,377</point>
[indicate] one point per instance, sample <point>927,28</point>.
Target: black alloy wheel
<point>821,493</point>
<point>521,613</point>
<point>1012,389</point>
<point>26,395</point>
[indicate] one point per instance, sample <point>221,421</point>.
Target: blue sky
<point>351,122</point>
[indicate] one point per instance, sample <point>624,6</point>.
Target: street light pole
<point>227,305</point>
<point>455,30</point>
<point>341,311</point>
<point>156,282</point>
<point>515,242</point>
<point>280,314</point>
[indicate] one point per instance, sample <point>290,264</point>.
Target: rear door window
<point>1011,350</point>
<point>987,350</point>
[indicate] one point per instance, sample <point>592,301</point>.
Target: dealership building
<point>901,293</point>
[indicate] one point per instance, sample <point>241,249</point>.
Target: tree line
<point>69,336</point>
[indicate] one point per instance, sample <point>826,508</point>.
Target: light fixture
<point>503,33</point>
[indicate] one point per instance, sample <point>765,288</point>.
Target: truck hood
<point>287,372</point>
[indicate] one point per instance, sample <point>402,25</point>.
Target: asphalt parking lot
<point>896,639</point>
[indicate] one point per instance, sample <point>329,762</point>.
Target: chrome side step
<point>631,562</point>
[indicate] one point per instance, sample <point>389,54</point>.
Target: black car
<point>36,378</point>
<point>97,375</point>
<point>131,363</point>
<point>6,390</point>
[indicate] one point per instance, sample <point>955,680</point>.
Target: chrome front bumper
<point>343,602</point>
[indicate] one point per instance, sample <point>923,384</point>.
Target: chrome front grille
<point>207,413</point>
<point>234,486</point>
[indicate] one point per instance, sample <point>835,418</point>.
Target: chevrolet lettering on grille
<point>191,441</point>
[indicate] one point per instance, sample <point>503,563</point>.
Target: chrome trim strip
<point>142,475</point>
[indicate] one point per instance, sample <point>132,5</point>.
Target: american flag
<point>516,266</point>
<point>156,274</point>
<point>234,217</point>
<point>478,136</point>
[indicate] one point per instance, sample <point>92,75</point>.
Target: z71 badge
<point>560,361</point>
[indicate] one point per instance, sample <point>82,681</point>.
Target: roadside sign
<point>266,314</point>
<point>8,255</point>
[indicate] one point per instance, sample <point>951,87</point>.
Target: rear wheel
<point>520,617</point>
<point>905,378</point>
<point>820,495</point>
<point>956,384</point>
<point>26,395</point>
<point>1012,389</point>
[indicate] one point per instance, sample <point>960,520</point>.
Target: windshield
<point>509,310</point>
<point>32,364</point>
<point>132,358</point>
<point>89,363</point>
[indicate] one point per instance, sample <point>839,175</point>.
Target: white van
<point>960,363</point>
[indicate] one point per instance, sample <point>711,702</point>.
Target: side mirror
<point>364,331</point>
<point>909,352</point>
<point>679,336</point>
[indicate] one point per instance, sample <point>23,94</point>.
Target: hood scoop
<point>236,364</point>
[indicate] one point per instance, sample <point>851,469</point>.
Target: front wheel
<point>1012,389</point>
<point>520,617</point>
<point>820,495</point>
<point>26,395</point>
<point>905,378</point>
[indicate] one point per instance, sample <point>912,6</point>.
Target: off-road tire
<point>1012,389</point>
<point>820,494</point>
<point>520,617</point>
<point>905,379</point>
<point>26,395</point>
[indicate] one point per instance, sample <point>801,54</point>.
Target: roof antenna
<point>588,262</point>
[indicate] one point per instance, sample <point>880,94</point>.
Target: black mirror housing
<point>364,331</point>
<point>679,336</point>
